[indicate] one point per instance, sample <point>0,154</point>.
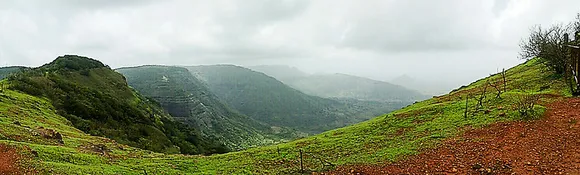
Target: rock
<point>454,170</point>
<point>487,170</point>
<point>476,166</point>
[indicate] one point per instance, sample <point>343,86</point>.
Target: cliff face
<point>189,101</point>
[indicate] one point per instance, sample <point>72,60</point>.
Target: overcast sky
<point>456,40</point>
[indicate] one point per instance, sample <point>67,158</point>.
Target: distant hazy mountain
<point>5,71</point>
<point>281,72</point>
<point>425,86</point>
<point>268,100</point>
<point>341,85</point>
<point>188,100</point>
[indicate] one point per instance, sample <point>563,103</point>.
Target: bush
<point>525,105</point>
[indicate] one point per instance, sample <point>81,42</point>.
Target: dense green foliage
<point>341,85</point>
<point>97,100</point>
<point>389,137</point>
<point>188,100</point>
<point>268,100</point>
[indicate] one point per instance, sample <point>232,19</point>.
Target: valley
<point>386,138</point>
<point>289,87</point>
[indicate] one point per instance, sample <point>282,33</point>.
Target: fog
<point>446,43</point>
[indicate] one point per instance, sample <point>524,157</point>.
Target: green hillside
<point>189,101</point>
<point>268,100</point>
<point>98,101</point>
<point>341,85</point>
<point>389,137</point>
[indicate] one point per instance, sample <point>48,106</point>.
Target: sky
<point>452,42</point>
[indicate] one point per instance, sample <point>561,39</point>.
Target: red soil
<point>9,160</point>
<point>550,145</point>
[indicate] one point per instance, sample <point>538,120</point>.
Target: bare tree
<point>466,105</point>
<point>503,75</point>
<point>482,96</point>
<point>576,26</point>
<point>547,43</point>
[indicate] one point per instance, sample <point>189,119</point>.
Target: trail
<point>550,145</point>
<point>9,160</point>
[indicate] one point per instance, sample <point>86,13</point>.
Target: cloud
<point>374,38</point>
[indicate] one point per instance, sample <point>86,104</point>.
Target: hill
<point>270,101</point>
<point>98,101</point>
<point>283,73</point>
<point>5,71</point>
<point>393,137</point>
<point>429,87</point>
<point>190,102</point>
<point>341,85</point>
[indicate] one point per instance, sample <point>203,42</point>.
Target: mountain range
<point>341,85</point>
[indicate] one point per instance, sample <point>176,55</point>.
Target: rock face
<point>189,101</point>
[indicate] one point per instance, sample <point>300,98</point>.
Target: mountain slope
<point>268,100</point>
<point>341,85</point>
<point>190,102</point>
<point>98,101</point>
<point>347,86</point>
<point>281,72</point>
<point>5,71</point>
<point>388,138</point>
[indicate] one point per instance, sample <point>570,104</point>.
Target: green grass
<point>386,138</point>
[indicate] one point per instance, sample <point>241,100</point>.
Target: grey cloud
<point>374,38</point>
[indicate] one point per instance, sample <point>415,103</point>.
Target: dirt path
<point>547,146</point>
<point>9,160</point>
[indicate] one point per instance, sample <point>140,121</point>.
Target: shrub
<point>525,105</point>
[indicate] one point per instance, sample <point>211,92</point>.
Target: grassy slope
<point>385,138</point>
<point>97,100</point>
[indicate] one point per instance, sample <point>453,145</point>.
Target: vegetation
<point>97,100</point>
<point>389,137</point>
<point>553,46</point>
<point>189,101</point>
<point>270,101</point>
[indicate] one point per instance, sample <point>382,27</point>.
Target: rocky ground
<point>550,145</point>
<point>9,160</point>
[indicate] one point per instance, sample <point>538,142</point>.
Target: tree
<point>548,44</point>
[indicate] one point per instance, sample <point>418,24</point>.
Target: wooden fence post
<point>466,105</point>
<point>301,165</point>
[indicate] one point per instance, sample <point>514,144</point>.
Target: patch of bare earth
<point>9,158</point>
<point>550,145</point>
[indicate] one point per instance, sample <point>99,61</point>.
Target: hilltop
<point>97,100</point>
<point>390,138</point>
